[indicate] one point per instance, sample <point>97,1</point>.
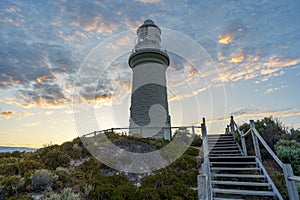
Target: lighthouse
<point>149,111</point>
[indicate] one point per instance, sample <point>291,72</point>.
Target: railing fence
<point>290,179</point>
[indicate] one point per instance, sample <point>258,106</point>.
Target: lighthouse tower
<point>149,102</point>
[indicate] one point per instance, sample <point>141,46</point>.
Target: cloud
<point>25,114</point>
<point>271,90</point>
<point>149,1</point>
<point>250,67</point>
<point>237,58</point>
<point>22,63</point>
<point>43,96</point>
<point>225,39</point>
<point>31,124</point>
<point>261,113</point>
<point>48,112</point>
<point>47,78</point>
<point>7,114</point>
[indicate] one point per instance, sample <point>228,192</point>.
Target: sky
<point>243,59</point>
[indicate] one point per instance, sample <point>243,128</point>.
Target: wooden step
<point>221,155</point>
<point>240,183</point>
<point>233,163</point>
<point>235,169</point>
<point>237,157</point>
<point>243,192</point>
<point>220,139</point>
<point>219,198</point>
<point>221,142</point>
<point>238,176</point>
<point>219,136</point>
<point>225,151</point>
<point>227,147</point>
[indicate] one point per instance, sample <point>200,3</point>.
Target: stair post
<point>204,136</point>
<point>243,141</point>
<point>290,184</point>
<point>204,185</point>
<point>255,140</point>
<point>231,125</point>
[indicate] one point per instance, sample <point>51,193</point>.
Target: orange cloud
<point>237,58</point>
<point>120,42</point>
<point>252,67</point>
<point>48,103</point>
<point>107,28</point>
<point>7,114</point>
<point>50,77</point>
<point>225,39</point>
<point>9,80</point>
<point>25,114</point>
<point>32,124</point>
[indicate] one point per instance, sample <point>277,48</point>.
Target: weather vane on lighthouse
<point>149,111</point>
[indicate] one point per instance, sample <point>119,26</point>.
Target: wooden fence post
<point>290,184</point>
<point>255,141</point>
<point>204,138</point>
<point>243,141</point>
<point>231,125</point>
<point>202,192</point>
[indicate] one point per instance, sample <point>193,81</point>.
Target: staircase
<point>235,176</point>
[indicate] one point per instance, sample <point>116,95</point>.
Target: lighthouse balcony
<point>144,55</point>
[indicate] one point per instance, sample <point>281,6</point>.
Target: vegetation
<point>273,130</point>
<point>283,141</point>
<point>51,172</point>
<point>68,171</point>
<point>289,152</point>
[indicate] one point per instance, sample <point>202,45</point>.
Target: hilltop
<point>69,170</point>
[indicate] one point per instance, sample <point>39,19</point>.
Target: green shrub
<point>192,151</point>
<point>62,173</point>
<point>189,177</point>
<point>197,142</point>
<point>27,166</point>
<point>149,193</point>
<point>185,162</point>
<point>289,152</point>
<point>9,169</point>
<point>173,191</point>
<point>128,191</point>
<point>102,192</point>
<point>55,158</point>
<point>91,166</point>
<point>67,194</point>
<point>20,197</point>
<point>11,185</point>
<point>42,179</point>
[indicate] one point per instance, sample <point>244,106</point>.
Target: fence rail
<point>290,179</point>
<point>126,131</point>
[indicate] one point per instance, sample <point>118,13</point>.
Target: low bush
<point>42,179</point>
<point>289,152</point>
<point>11,185</point>
<point>27,166</point>
<point>67,194</point>
<point>192,151</point>
<point>20,197</point>
<point>197,142</point>
<point>55,158</point>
